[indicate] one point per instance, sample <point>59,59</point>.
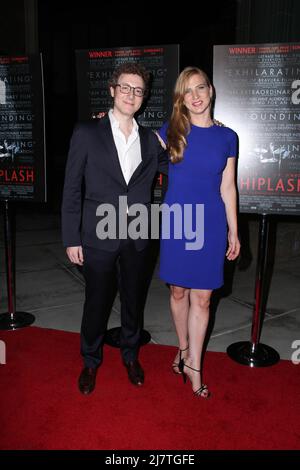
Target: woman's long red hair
<point>179,125</point>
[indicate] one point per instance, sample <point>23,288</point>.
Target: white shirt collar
<point>116,124</point>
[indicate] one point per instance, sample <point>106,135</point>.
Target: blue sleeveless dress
<point>194,234</point>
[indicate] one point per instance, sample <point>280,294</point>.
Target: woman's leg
<point>198,317</point>
<point>179,304</point>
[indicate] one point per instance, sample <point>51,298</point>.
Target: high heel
<point>176,365</point>
<point>202,391</point>
<point>181,371</point>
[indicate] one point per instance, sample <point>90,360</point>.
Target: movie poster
<point>22,136</point>
<point>258,95</point>
<point>94,68</point>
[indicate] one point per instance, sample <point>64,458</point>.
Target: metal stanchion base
<point>13,321</point>
<point>262,356</point>
<point>112,337</point>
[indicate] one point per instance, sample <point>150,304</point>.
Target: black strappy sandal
<point>176,366</point>
<point>202,391</point>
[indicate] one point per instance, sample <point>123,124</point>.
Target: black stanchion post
<point>11,320</point>
<point>252,353</point>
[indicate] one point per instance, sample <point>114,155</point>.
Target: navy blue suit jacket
<point>93,160</point>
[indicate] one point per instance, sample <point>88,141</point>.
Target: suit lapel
<point>111,148</point>
<point>144,154</point>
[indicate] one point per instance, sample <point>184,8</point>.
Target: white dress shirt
<point>129,152</point>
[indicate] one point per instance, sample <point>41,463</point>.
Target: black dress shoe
<point>87,380</point>
<point>135,372</point>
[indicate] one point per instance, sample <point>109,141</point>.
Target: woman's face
<point>197,95</point>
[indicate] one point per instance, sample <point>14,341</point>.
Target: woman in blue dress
<point>199,216</point>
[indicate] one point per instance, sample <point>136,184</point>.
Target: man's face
<point>127,103</point>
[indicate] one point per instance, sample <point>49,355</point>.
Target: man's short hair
<point>131,68</point>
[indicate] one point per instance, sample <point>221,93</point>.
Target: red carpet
<point>41,407</point>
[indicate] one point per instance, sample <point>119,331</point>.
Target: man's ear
<point>112,91</point>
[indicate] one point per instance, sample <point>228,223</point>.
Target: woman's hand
<point>234,246</point>
<point>160,140</point>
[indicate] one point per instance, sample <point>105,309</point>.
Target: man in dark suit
<point>110,158</point>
